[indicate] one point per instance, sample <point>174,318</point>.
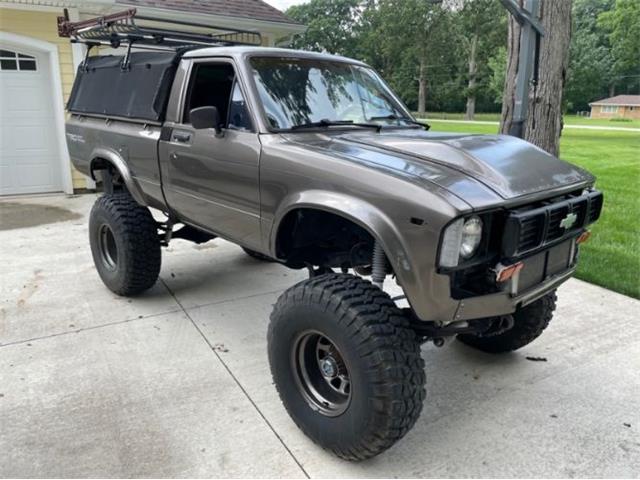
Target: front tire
<point>528,324</point>
<point>125,244</point>
<point>346,365</point>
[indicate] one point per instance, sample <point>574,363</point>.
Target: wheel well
<point>110,176</point>
<point>317,237</point>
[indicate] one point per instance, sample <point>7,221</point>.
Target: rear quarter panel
<point>136,143</point>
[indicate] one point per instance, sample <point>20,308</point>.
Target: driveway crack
<point>235,379</point>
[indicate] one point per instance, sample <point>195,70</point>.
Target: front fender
<point>410,248</point>
<point>368,216</point>
<point>113,157</point>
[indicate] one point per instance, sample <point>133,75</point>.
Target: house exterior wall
<point>610,111</point>
<point>42,25</point>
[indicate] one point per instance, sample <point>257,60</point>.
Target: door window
<point>238,113</point>
<point>211,86</point>
<point>215,85</point>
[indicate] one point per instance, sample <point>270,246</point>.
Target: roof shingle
<point>253,9</point>
<point>626,100</point>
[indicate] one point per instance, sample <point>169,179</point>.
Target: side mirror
<point>205,117</point>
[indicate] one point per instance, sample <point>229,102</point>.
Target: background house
<point>620,106</point>
<point>37,69</point>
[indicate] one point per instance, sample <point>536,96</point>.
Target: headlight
<point>460,239</point>
<point>471,236</point>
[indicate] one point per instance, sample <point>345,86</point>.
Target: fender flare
<point>360,212</point>
<point>119,163</point>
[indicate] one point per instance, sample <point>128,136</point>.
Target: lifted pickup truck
<point>310,160</point>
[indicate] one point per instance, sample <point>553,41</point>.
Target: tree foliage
<point>402,38</point>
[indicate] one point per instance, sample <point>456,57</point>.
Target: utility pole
<point>530,33</point>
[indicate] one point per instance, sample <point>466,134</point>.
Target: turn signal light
<point>505,273</point>
<point>584,236</point>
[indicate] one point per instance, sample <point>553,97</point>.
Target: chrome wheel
<point>322,375</point>
<point>108,248</point>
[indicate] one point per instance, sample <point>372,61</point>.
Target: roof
<point>251,9</point>
<point>240,51</point>
<point>620,100</point>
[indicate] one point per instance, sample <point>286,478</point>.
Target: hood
<point>507,166</point>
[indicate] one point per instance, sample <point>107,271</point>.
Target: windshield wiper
<point>391,116</point>
<point>335,123</point>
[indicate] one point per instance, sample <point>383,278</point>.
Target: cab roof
<point>244,51</point>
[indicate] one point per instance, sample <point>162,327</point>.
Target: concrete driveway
<point>176,383</point>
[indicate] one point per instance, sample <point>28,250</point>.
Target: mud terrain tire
<point>529,323</point>
<point>371,342</point>
<point>125,244</point>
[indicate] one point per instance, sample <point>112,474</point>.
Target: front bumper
<point>504,303</point>
<point>543,272</point>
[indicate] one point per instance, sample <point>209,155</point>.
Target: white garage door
<point>29,158</point>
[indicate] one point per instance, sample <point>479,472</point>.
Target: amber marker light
<point>505,273</point>
<point>584,236</point>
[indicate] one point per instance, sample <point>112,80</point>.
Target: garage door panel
<point>25,99</point>
<point>29,147</point>
<point>36,175</point>
<point>30,138</point>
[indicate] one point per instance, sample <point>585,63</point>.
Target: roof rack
<point>121,28</point>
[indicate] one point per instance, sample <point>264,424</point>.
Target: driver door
<point>212,181</point>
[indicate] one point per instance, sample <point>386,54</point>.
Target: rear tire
<point>528,324</point>
<point>125,244</point>
<point>345,326</point>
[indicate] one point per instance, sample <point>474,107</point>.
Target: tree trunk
<point>612,90</point>
<point>473,69</point>
<point>513,47</point>
<point>422,86</point>
<point>544,117</point>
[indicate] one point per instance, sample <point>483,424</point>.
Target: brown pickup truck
<point>311,160</point>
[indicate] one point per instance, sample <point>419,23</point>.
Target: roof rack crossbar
<point>121,27</point>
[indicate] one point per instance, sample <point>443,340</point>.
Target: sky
<point>284,4</point>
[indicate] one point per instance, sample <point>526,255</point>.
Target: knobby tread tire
<point>529,323</point>
<point>136,232</point>
<point>387,351</point>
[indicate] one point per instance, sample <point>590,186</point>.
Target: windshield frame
<point>260,110</point>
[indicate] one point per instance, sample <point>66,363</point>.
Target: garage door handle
<point>181,137</point>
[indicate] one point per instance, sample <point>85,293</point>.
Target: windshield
<point>300,91</point>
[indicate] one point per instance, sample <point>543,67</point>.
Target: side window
<point>210,86</point>
<point>239,118</point>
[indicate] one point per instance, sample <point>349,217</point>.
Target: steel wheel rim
<point>321,373</point>
<point>108,247</point>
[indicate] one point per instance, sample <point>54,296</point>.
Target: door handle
<point>182,137</point>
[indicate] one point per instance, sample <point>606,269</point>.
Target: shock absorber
<point>378,265</point>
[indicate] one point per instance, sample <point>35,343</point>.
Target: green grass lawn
<point>568,119</point>
<point>611,258</point>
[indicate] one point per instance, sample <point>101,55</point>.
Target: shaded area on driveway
<point>23,215</point>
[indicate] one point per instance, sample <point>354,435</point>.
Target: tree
<point>623,26</point>
<point>483,29</point>
<point>406,31</point>
<point>498,66</point>
<point>332,25</point>
<point>543,125</point>
<point>590,74</point>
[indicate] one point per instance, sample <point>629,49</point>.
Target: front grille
<point>531,230</point>
<point>528,229</point>
<point>556,215</point>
